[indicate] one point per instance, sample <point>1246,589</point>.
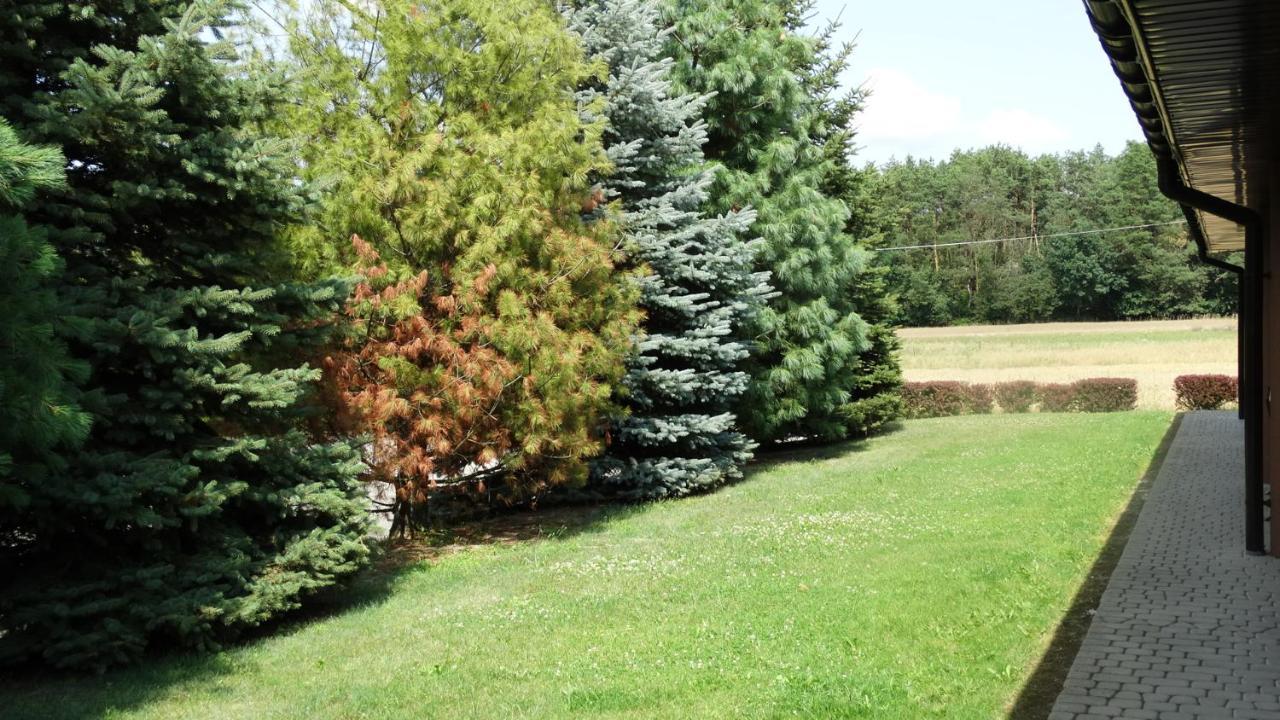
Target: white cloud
<point>906,117</point>
<point>902,109</point>
<point>1021,128</point>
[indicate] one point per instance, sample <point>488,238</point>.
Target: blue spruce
<point>681,435</point>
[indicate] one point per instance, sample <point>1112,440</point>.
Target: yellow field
<point>1152,352</point>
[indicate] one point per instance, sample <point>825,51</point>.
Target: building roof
<point>1203,77</point>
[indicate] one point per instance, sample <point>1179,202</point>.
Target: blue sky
<point>949,74</point>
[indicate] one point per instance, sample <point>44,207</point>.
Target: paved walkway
<point>1189,625</point>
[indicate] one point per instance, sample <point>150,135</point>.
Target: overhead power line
<point>1032,237</point>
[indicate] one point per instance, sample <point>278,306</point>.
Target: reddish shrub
<point>1105,394</point>
<point>1016,396</point>
<point>1205,392</point>
<point>937,398</point>
<point>1055,397</point>
<point>978,398</point>
<point>941,398</point>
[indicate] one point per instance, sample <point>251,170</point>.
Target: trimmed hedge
<point>1104,394</point>
<point>1055,397</point>
<point>978,399</point>
<point>1205,392</point>
<point>941,398</point>
<point>1016,396</point>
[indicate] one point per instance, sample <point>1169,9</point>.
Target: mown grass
<point>918,575</point>
<point>1153,353</point>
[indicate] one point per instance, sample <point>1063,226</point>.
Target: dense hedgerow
<point>1105,394</point>
<point>979,398</point>
<point>1015,396</point>
<point>940,398</point>
<point>1055,397</point>
<point>1205,392</point>
<point>932,399</point>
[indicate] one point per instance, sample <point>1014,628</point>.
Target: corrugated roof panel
<point>1207,91</point>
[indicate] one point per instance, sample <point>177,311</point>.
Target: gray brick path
<point>1189,625</point>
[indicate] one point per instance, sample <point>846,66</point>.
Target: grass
<point>1152,352</point>
<point>918,575</point>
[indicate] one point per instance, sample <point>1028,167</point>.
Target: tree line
<point>1066,259</point>
<point>474,252</point>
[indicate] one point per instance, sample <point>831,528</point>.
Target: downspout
<point>1249,334</point>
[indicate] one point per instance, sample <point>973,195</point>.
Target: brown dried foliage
<point>418,377</point>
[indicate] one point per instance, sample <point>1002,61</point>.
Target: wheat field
<point>1153,352</point>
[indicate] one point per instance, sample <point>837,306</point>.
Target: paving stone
<point>1189,625</point>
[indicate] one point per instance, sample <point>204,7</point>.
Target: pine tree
<point>875,395</point>
<point>875,399</point>
<point>685,376</point>
<point>39,415</point>
<point>196,507</point>
<point>419,376</point>
<point>762,124</point>
<point>451,143</point>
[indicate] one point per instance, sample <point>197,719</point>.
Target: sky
<point>948,74</point>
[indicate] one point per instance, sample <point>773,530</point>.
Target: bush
<point>1016,396</point>
<point>1055,397</point>
<point>1205,392</point>
<point>933,399</point>
<point>978,398</point>
<point>940,398</point>
<point>1105,394</point>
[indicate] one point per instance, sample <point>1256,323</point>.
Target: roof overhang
<point>1203,77</point>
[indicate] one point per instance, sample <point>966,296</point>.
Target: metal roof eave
<point>1121,37</point>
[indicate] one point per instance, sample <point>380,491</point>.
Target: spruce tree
<point>195,507</point>
<point>763,121</point>
<point>451,143</point>
<point>685,376</point>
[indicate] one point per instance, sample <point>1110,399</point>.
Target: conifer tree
<point>685,376</point>
<point>196,507</point>
<point>875,396</point>
<point>417,374</point>
<point>39,416</point>
<point>451,143</point>
<point>763,121</point>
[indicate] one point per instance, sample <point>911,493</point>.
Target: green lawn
<point>917,575</point>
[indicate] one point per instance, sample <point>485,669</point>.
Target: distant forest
<point>998,192</point>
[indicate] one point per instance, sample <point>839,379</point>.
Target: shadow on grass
<point>53,695</point>
<point>1036,699</point>
<point>38,693</point>
<point>813,451</point>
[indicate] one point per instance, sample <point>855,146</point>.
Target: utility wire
<point>1031,237</point>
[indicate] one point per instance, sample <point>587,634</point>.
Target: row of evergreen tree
<point>470,251</point>
<point>1066,259</point>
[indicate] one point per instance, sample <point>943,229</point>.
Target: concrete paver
<point>1189,625</point>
